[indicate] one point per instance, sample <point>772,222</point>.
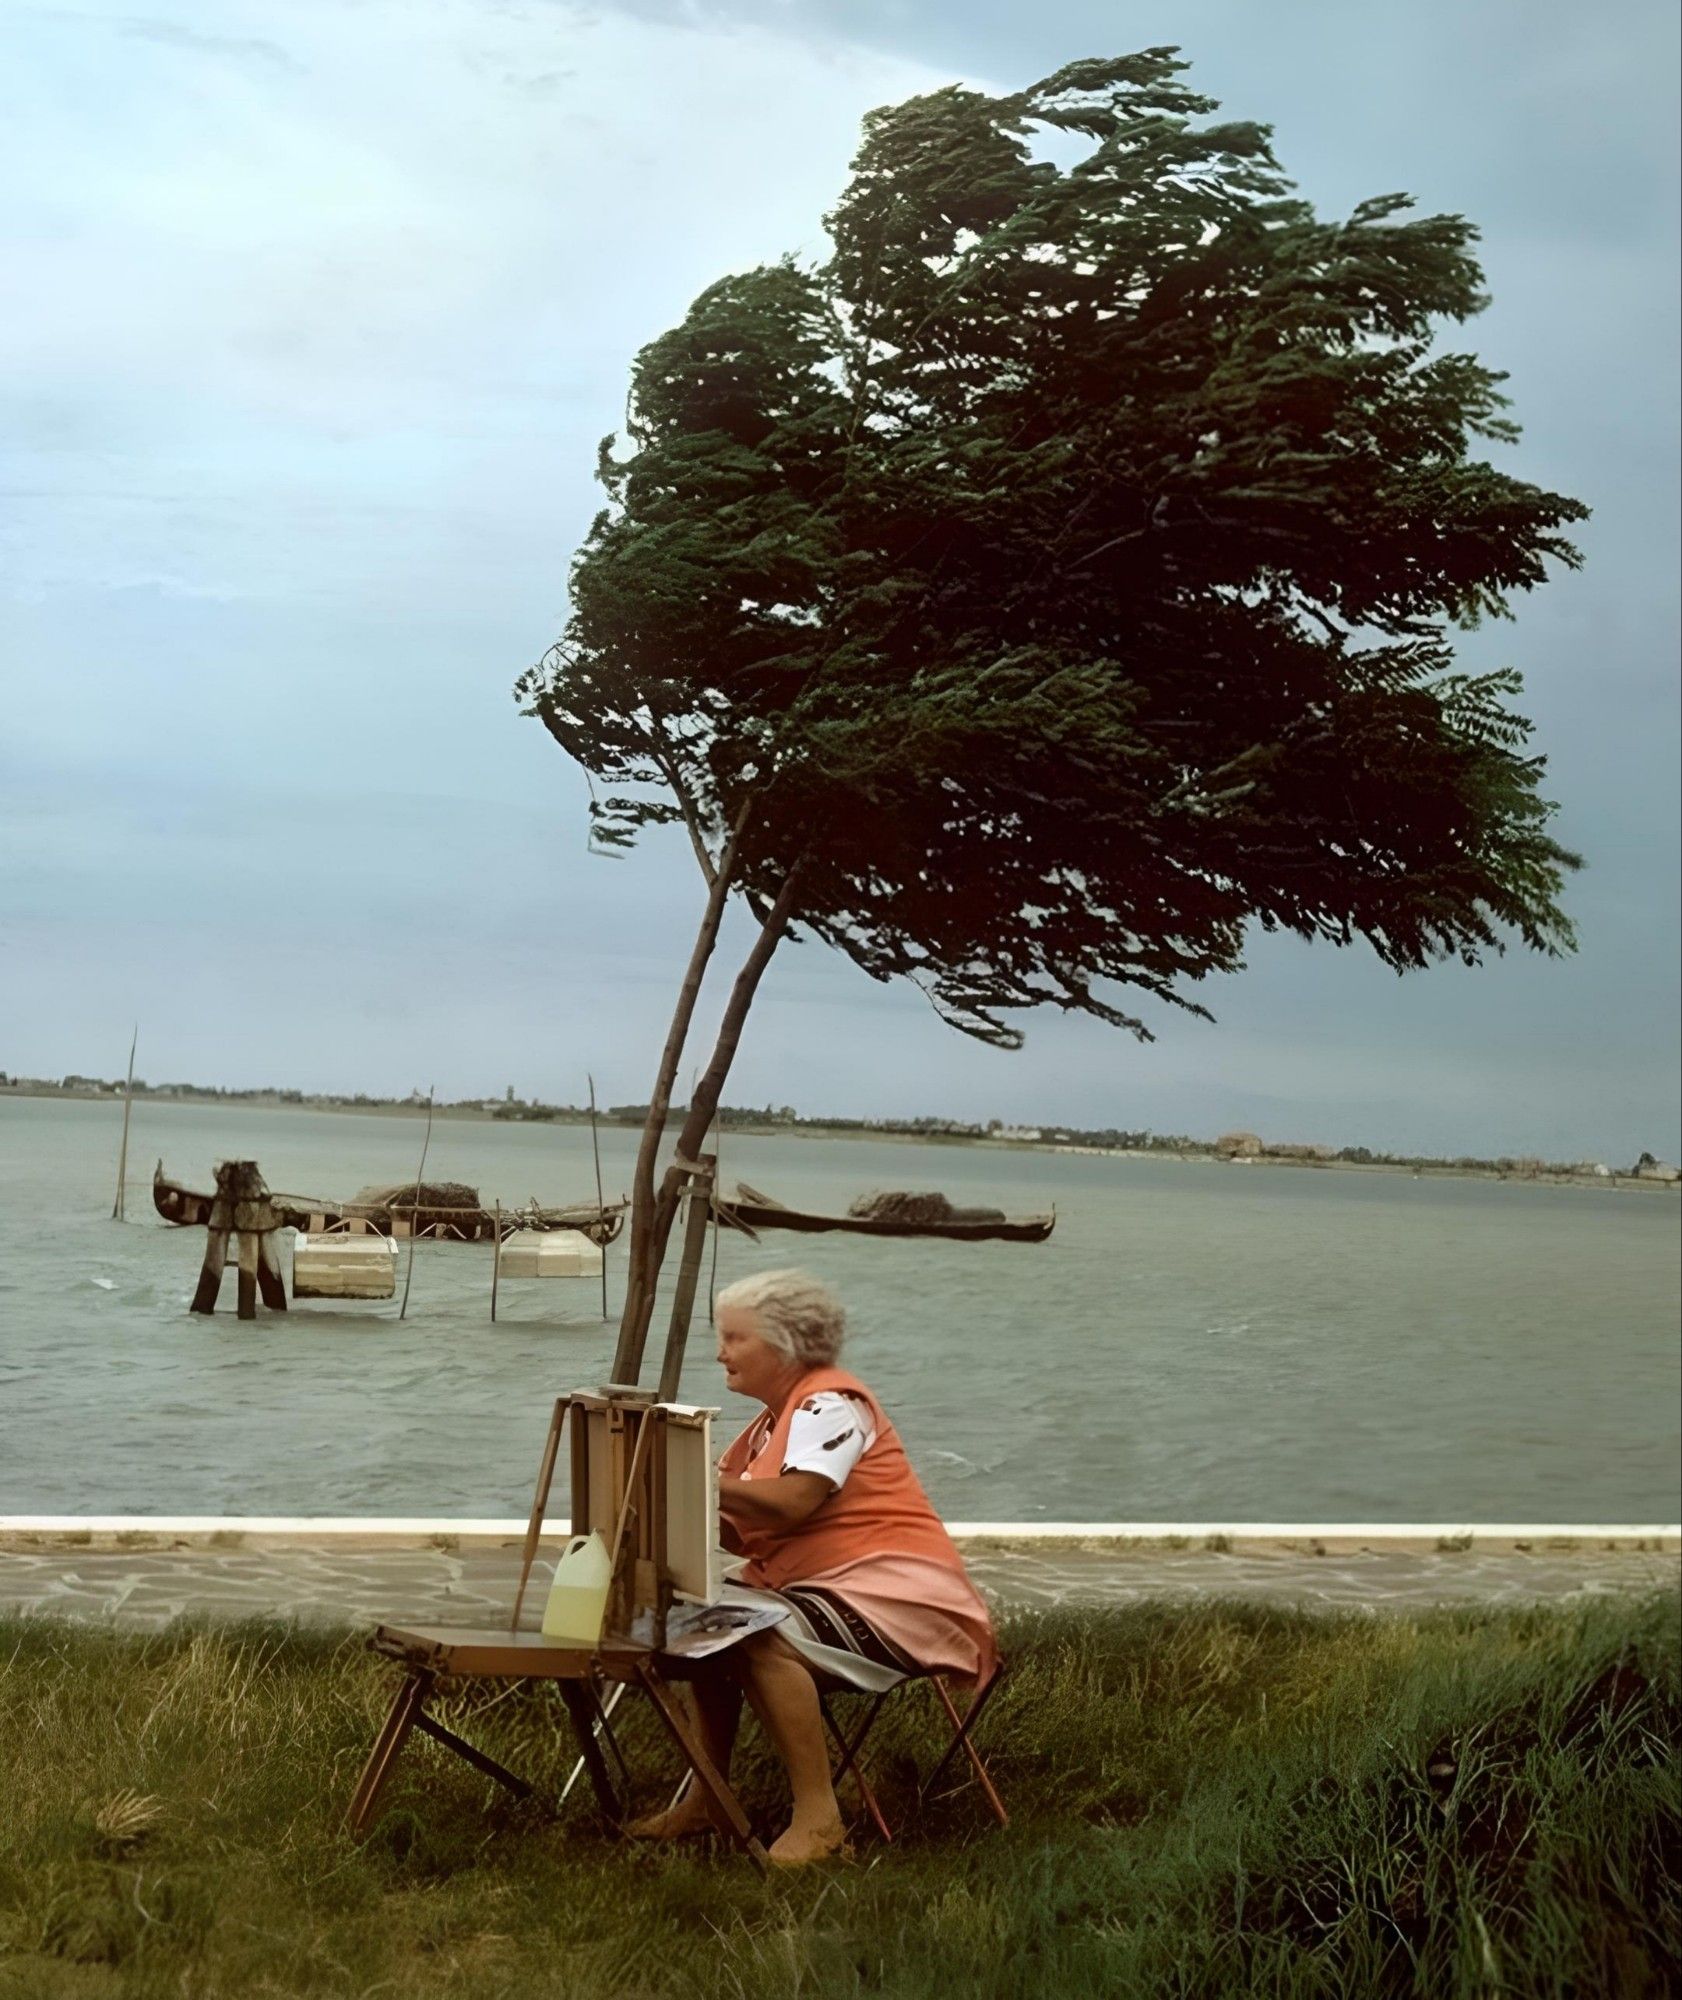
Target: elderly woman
<point>817,1493</point>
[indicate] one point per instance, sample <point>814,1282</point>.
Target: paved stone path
<point>323,1584</point>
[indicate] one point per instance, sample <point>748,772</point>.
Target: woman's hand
<point>783,1502</point>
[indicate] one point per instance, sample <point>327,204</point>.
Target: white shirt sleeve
<point>829,1433</point>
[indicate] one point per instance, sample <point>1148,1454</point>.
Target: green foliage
<point>1065,572</point>
<point>1205,1799</point>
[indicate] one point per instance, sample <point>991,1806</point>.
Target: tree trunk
<point>703,1106</point>
<point>640,1269</point>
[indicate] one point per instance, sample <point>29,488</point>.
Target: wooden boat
<point>186,1206</point>
<point>750,1211</point>
<point>466,1222</point>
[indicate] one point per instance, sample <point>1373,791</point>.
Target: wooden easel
<point>627,1505</point>
<point>621,1495</point>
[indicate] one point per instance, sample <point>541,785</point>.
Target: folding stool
<point>963,1738</point>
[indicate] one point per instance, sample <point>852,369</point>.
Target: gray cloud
<point>233,48</point>
<point>308,371</point>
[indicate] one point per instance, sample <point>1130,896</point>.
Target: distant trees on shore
<point>785,1118</point>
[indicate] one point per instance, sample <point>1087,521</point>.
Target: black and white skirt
<point>831,1636</point>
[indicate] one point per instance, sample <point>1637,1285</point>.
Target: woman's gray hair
<point>797,1315</point>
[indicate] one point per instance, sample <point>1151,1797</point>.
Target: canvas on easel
<point>694,1557</point>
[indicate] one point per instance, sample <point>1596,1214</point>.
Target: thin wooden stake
<point>496,1258</point>
<point>414,1208</point>
<point>712,1203</point>
<point>595,1148</point>
<point>122,1150</point>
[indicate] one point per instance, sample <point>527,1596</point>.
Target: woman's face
<point>752,1366</point>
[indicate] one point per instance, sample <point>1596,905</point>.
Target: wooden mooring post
<point>241,1207</point>
<point>128,1107</point>
<point>496,1258</point>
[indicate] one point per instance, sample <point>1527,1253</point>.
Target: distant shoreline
<point>1191,1155</point>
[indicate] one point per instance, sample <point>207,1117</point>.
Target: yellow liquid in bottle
<point>577,1601</point>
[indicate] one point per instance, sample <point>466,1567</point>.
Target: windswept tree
<point>1061,579</point>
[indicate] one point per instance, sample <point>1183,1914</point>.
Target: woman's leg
<point>785,1698</point>
<point>716,1702</point>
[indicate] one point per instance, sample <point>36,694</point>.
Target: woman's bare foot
<point>803,1842</point>
<point>690,1816</point>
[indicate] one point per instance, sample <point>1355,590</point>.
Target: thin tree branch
<point>691,818</point>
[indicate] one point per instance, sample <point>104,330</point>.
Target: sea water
<point>1195,1342</point>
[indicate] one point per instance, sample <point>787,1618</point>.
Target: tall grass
<point>1224,1800</point>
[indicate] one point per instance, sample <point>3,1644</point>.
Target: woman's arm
<point>784,1502</point>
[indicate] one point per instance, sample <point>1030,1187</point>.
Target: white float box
<point>344,1267</point>
<point>550,1253</point>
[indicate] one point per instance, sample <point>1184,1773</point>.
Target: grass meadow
<point>1216,1800</point>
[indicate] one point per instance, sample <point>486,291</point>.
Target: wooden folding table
<point>430,1653</point>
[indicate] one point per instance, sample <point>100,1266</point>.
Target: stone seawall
<point>142,1572</point>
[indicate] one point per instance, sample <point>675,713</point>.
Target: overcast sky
<point>311,318</point>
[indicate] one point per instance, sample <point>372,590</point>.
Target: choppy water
<point>1194,1343</point>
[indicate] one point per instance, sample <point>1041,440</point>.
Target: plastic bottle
<point>578,1596</point>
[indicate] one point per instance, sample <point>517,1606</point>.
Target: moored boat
<point>442,1210</point>
<point>750,1211</point>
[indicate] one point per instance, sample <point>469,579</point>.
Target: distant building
<point>1239,1146</point>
